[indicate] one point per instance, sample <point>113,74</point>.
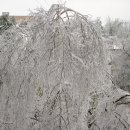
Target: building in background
<point>13,18</point>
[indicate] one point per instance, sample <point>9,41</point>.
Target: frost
<point>53,76</point>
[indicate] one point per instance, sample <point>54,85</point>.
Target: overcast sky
<point>95,8</point>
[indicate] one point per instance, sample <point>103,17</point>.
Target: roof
<point>21,18</point>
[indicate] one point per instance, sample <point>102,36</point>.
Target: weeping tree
<point>73,58</point>
<point>52,75</point>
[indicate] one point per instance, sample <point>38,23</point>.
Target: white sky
<point>96,8</point>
